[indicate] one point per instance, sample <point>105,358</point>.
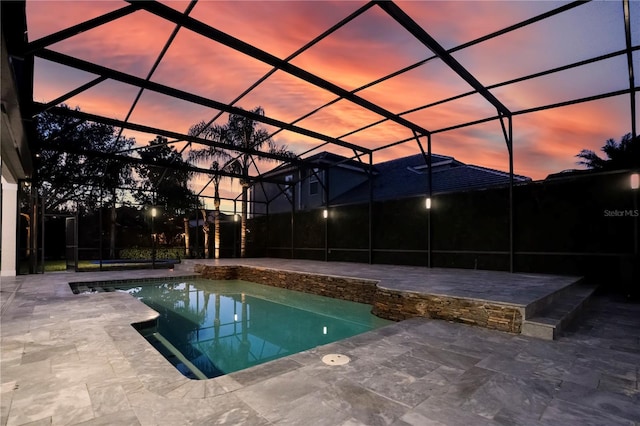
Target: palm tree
<point>238,132</point>
<point>216,155</point>
<point>620,155</point>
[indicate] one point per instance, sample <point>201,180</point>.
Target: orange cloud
<point>455,23</point>
<point>47,17</point>
<point>285,97</point>
<point>548,141</point>
<point>428,83</point>
<point>279,28</point>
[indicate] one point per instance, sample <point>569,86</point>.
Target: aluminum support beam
<point>627,34</point>
<point>293,56</point>
<point>293,220</point>
<point>166,133</point>
<point>370,178</point>
<point>189,97</point>
<point>153,69</point>
<point>205,30</point>
<point>490,36</point>
<point>136,160</point>
<point>59,36</point>
<point>525,111</point>
<point>326,219</point>
<point>429,227</point>
<point>492,86</point>
<point>427,160</point>
<point>508,135</point>
<point>420,34</point>
<point>74,92</point>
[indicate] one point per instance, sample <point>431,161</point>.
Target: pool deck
<point>514,289</point>
<point>75,359</point>
<point>490,299</point>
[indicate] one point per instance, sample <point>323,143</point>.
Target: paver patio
<point>75,359</point>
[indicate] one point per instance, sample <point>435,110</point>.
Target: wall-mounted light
<point>635,181</point>
<point>325,213</point>
<point>324,330</point>
<point>235,317</point>
<point>153,212</point>
<point>235,217</point>
<point>428,203</point>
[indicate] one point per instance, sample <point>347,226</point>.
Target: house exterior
<point>347,181</point>
<point>15,158</point>
<point>331,171</point>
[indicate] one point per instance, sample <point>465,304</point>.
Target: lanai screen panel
<point>371,83</point>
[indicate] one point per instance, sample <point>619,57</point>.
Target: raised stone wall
<point>217,272</point>
<point>352,289</point>
<point>389,304</point>
<point>397,306</point>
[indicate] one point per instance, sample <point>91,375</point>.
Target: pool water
<point>210,328</point>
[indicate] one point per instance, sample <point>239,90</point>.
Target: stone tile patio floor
<point>75,359</point>
<point>503,287</point>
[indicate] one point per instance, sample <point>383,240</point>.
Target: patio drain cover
<point>335,359</point>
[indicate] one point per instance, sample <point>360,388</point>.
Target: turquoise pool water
<point>210,328</point>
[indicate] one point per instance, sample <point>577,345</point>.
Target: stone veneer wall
<point>389,304</point>
<point>352,289</point>
<point>398,305</point>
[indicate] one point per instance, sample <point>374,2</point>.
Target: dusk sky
<point>370,47</point>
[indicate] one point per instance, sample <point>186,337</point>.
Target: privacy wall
<point>584,224</point>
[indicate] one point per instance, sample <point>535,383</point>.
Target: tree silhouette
<point>69,171</point>
<point>619,155</point>
<point>164,183</point>
<point>66,170</point>
<point>239,131</point>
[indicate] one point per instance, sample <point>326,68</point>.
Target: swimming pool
<point>209,328</point>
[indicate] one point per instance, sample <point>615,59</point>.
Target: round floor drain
<point>335,359</point>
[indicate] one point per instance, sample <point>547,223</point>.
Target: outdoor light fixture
<point>153,212</point>
<point>428,203</point>
<point>324,330</point>
<point>235,217</point>
<point>325,213</point>
<point>235,317</point>
<point>635,181</point>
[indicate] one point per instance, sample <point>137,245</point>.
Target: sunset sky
<point>371,46</point>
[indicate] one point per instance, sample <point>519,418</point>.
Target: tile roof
<point>408,176</point>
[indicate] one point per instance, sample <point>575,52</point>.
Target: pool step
<point>160,339</point>
<point>549,322</point>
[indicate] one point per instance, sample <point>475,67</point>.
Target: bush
<point>146,253</point>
